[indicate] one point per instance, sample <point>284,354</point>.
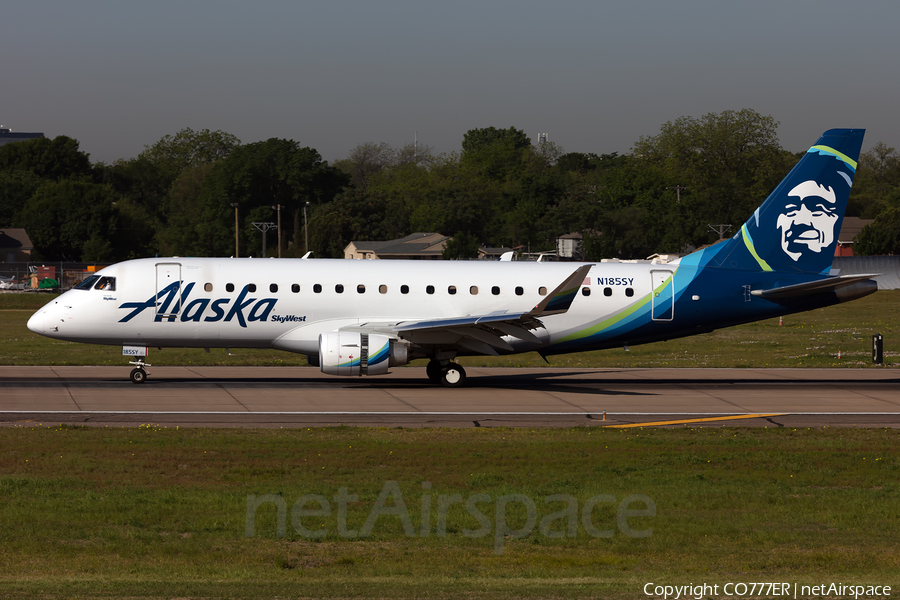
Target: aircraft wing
<point>812,287</point>
<point>484,333</point>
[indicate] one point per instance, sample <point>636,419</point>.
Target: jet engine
<point>348,353</point>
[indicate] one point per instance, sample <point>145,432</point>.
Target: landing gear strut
<point>433,370</point>
<point>449,374</point>
<point>138,374</point>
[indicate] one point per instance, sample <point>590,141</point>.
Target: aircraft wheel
<point>453,376</point>
<point>433,370</point>
<point>138,376</point>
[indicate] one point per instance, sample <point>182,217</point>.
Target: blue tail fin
<point>796,228</point>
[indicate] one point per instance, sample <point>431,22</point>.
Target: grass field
<point>150,512</point>
<point>811,339</point>
<point>153,512</point>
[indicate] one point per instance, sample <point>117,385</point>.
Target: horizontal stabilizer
<point>812,287</point>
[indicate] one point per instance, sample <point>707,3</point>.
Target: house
<point>15,246</point>
<point>850,228</point>
<point>485,253</point>
<point>417,246</point>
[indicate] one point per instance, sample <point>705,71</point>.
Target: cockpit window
<point>87,283</point>
<point>107,284</point>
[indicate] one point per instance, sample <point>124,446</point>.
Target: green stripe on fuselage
<point>618,317</point>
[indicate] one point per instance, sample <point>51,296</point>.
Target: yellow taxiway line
<point>728,418</point>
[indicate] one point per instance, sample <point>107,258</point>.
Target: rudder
<point>796,228</point>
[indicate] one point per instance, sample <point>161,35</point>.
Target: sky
<point>595,76</point>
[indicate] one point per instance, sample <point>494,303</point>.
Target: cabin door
<point>662,298</point>
<point>168,289</point>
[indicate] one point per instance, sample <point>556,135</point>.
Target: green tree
<point>184,211</point>
<point>461,245</point>
<point>476,140</point>
<point>497,154</point>
<point>187,149</point>
<point>729,162</point>
<point>16,187</point>
<point>880,237</point>
<point>51,159</point>
<point>365,161</point>
<point>74,221</point>
<point>876,186</point>
<point>257,177</point>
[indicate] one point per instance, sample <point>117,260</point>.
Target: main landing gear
<point>138,374</point>
<point>449,374</point>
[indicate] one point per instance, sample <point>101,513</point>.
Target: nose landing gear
<point>138,374</point>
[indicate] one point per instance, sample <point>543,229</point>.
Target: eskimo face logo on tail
<point>808,221</point>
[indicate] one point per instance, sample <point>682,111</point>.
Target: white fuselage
<point>290,302</point>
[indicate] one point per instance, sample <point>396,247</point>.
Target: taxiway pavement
<point>303,396</point>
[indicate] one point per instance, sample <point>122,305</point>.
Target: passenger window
<point>87,283</point>
<point>107,284</point>
<point>473,290</point>
<point>429,289</point>
<point>607,291</point>
<point>404,289</point>
<point>251,287</point>
<point>295,288</point>
<point>339,288</point>
<point>207,287</point>
<point>451,290</point>
<point>273,287</point>
<point>495,290</point>
<point>542,291</point>
<point>586,291</point>
<point>317,288</point>
<point>519,291</point>
<point>360,289</point>
<point>382,289</point>
<point>229,287</point>
<point>629,292</point>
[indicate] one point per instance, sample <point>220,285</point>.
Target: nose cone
<point>36,322</point>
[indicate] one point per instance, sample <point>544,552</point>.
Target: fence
<point>28,275</point>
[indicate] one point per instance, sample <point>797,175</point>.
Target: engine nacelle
<point>348,353</point>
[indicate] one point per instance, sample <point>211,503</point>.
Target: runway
<point>547,397</point>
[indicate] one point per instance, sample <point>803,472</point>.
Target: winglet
<point>559,300</point>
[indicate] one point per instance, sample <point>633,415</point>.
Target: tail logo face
<point>797,228</point>
<point>808,220</point>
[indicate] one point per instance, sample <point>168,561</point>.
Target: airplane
<point>355,317</point>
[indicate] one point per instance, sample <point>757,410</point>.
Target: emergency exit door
<point>662,298</point>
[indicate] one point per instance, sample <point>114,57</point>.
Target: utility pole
<point>278,227</point>
<point>721,228</point>
<point>306,227</point>
<point>677,189</point>
<point>235,205</point>
<point>264,227</point>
